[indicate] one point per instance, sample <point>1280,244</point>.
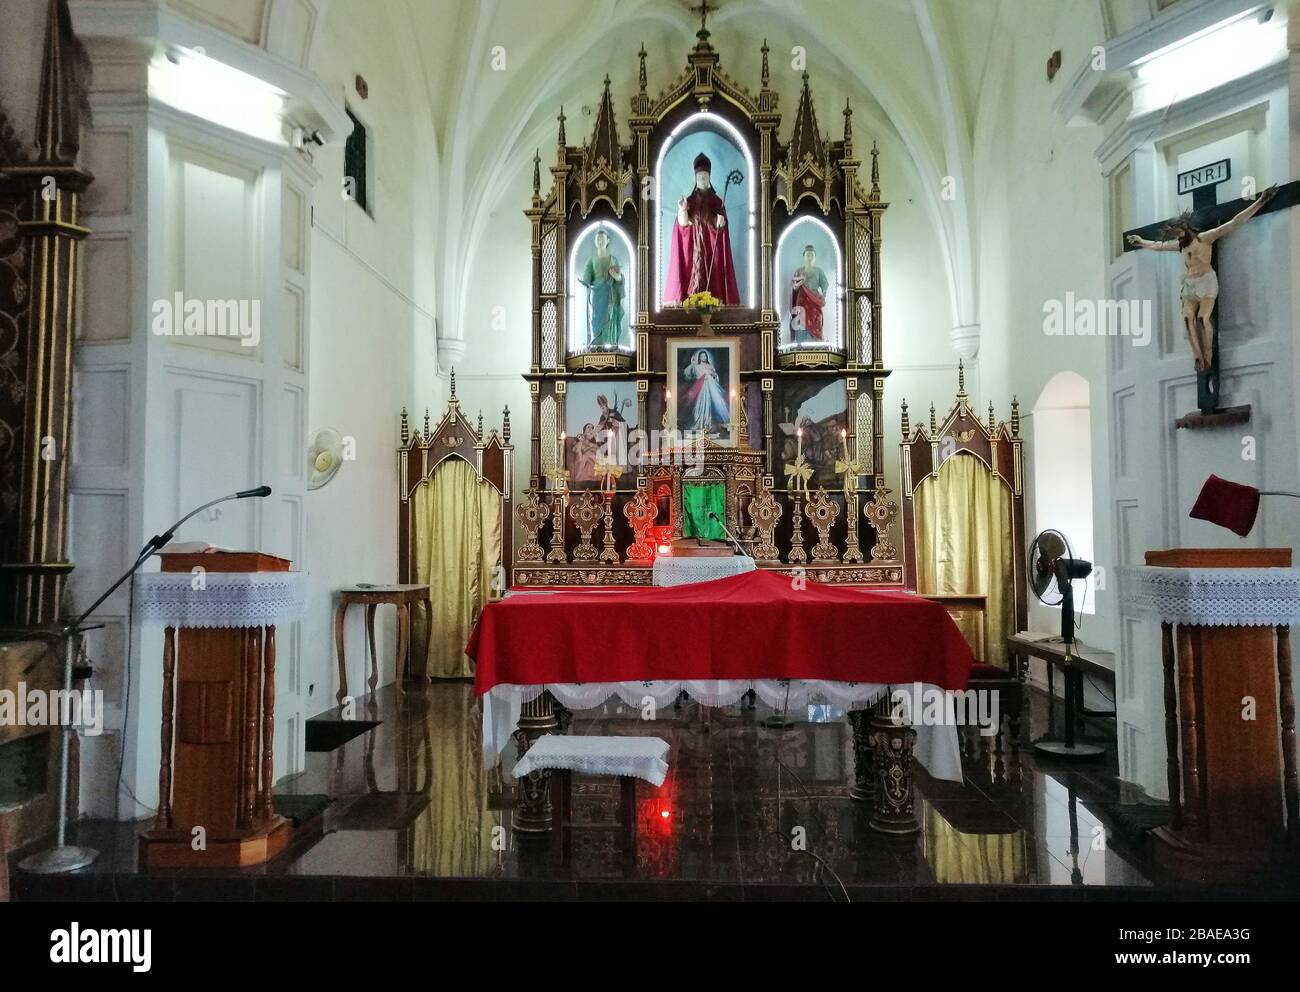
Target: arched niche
<point>602,303</point>
<point>712,135</point>
<point>806,323</point>
<point>1061,448</point>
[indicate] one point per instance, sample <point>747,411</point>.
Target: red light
<point>665,814</point>
<point>664,549</point>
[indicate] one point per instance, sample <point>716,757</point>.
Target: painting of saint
<point>699,250</point>
<point>808,287</point>
<point>600,418</point>
<point>704,383</point>
<point>820,408</point>
<point>603,277</point>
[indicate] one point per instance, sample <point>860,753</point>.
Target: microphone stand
<point>730,536</point>
<point>64,857</point>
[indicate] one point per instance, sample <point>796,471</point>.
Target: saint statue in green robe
<point>603,277</point>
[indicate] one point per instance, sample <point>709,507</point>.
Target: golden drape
<point>457,544</point>
<point>964,542</point>
<point>972,859</point>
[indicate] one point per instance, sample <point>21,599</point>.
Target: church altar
<point>789,643</point>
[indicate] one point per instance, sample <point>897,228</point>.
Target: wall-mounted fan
<point>1052,571</point>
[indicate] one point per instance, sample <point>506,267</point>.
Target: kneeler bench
<point>628,758</point>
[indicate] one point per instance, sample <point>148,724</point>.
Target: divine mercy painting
<point>704,382</point>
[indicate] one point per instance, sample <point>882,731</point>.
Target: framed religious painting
<point>704,388</point>
<point>706,221</point>
<point>817,406</point>
<point>600,418</point>
<point>809,287</point>
<point>602,290</point>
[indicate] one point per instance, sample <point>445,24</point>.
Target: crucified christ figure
<point>1200,281</point>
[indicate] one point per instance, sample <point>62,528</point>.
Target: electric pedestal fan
<point>1052,562</point>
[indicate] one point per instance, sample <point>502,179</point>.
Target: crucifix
<point>1195,235</point>
<point>703,9</point>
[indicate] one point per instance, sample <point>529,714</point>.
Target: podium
<point>1225,617</point>
<point>219,612</point>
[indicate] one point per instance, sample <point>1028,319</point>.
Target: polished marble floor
<point>747,812</point>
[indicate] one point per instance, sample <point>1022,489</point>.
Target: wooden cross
<point>1204,218</point>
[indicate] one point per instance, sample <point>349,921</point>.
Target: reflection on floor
<point>747,812</point>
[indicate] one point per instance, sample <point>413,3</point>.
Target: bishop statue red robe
<point>699,254</point>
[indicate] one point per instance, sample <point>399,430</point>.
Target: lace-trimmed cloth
<point>669,571</point>
<point>222,599</point>
<point>633,757</point>
<point>1214,597</point>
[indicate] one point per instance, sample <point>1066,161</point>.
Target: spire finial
<point>406,428</point>
<point>426,423</point>
<point>875,170</point>
<point>641,78</point>
<point>1015,417</point>
<point>453,384</point>
<point>563,139</point>
<point>703,32</point>
<point>907,426</point>
<point>961,376</point>
<point>537,173</point>
<point>480,425</point>
<point>505,424</point>
<point>767,76</point>
<point>934,424</point>
<point>993,420</point>
<point>848,121</point>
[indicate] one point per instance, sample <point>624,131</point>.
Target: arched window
<point>1062,454</point>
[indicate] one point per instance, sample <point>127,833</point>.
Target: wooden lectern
<point>218,729</point>
<point>1232,769</point>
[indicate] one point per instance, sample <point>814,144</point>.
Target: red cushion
<point>982,671</point>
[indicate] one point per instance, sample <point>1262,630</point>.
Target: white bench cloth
<point>220,599</point>
<point>673,571</point>
<point>636,757</point>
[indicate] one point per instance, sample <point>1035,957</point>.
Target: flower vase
<point>706,324</point>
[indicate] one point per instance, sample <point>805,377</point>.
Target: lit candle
<point>798,451</point>
<point>844,438</point>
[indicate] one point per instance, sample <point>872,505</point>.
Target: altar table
<point>789,642</point>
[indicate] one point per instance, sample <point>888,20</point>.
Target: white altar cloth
<point>635,757</point>
<point>669,570</point>
<point>937,747</point>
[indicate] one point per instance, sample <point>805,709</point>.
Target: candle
<point>798,451</point>
<point>844,438</point>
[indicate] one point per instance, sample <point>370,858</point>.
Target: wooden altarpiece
<point>999,448</point>
<point>605,531</point>
<point>422,452</point>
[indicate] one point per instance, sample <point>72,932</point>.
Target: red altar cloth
<point>749,626</point>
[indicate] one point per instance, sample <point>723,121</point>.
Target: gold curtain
<point>963,542</point>
<point>457,544</point>
<point>972,859</point>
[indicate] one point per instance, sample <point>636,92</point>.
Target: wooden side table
<point>372,597</point>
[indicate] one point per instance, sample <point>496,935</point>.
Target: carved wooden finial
<point>453,386</point>
<point>641,77</point>
<point>537,174</point>
<point>1015,417</point>
<point>934,424</point>
<point>961,377</point>
<point>427,433</point>
<point>406,428</point>
<point>505,425</point>
<point>875,170</point>
<point>480,425</point>
<point>993,420</point>
<point>907,426</point>
<point>563,140</point>
<point>767,75</point>
<point>848,121</point>
<point>703,32</point>
<point>62,101</point>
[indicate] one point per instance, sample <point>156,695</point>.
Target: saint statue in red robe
<point>699,254</point>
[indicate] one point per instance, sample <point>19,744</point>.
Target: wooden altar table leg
<point>894,743</point>
<point>863,788</point>
<point>1174,773</point>
<point>1287,700</point>
<point>168,708</point>
<point>268,725</point>
<point>371,609</point>
<point>340,615</point>
<point>403,642</point>
<point>533,811</point>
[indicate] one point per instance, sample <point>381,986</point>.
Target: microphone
<point>158,541</point>
<point>730,536</point>
<point>259,492</point>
